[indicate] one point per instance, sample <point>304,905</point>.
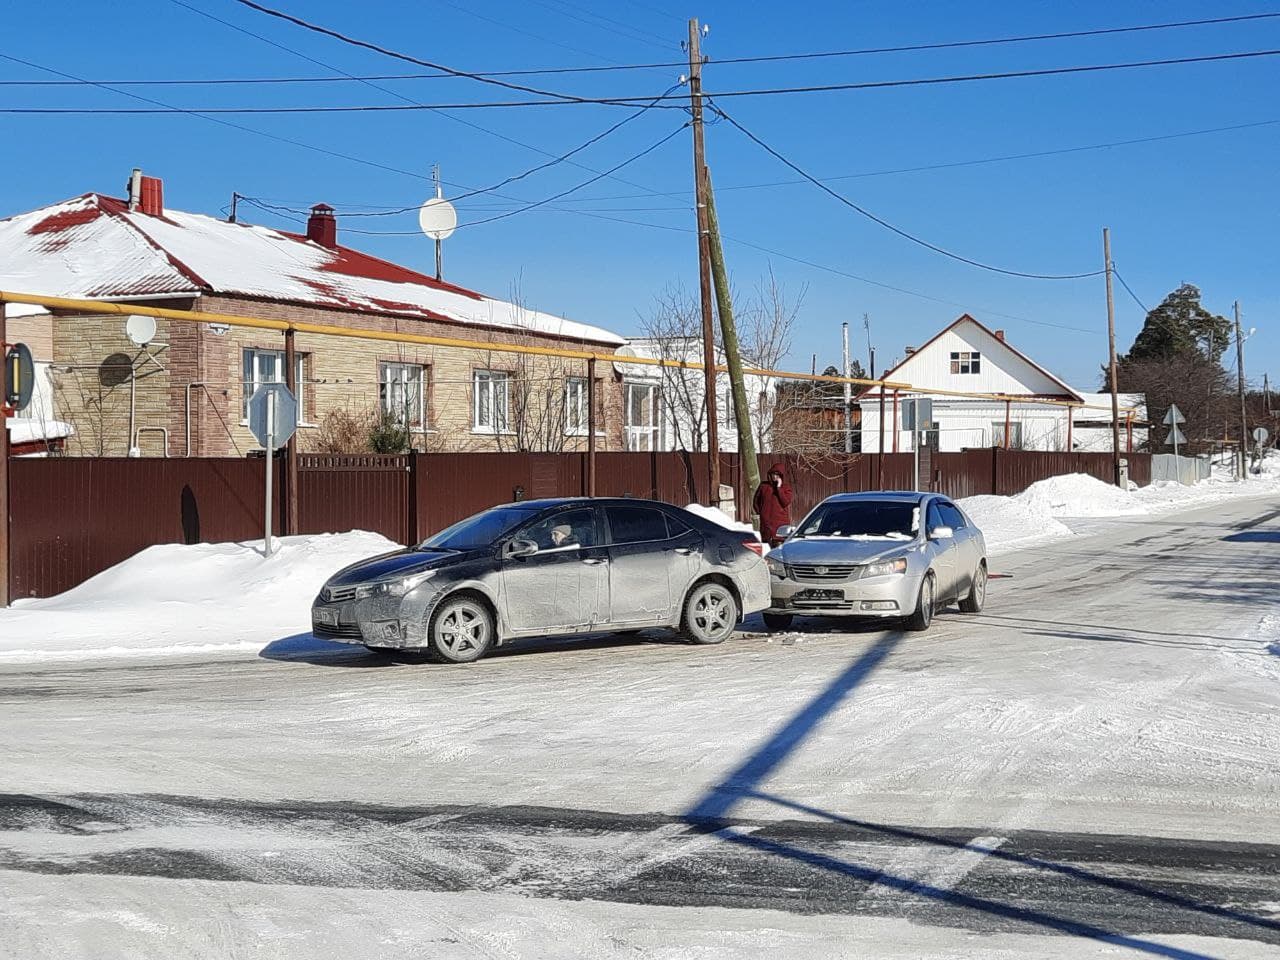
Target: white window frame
<point>403,377</point>
<point>966,362</point>
<point>642,437</point>
<point>488,415</point>
<point>1015,434</point>
<point>253,376</point>
<point>576,412</point>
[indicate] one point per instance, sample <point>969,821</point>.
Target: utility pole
<point>704,262</point>
<point>1244,420</point>
<point>235,202</point>
<point>848,392</point>
<point>871,351</point>
<point>732,352</point>
<point>1111,346</point>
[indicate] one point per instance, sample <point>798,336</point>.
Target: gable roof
<point>1067,392</point>
<point>95,247</point>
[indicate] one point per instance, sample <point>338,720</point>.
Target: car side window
<point>933,518</point>
<point>570,530</point>
<point>636,524</point>
<point>677,527</point>
<point>951,516</point>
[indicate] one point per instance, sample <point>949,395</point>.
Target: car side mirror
<point>519,549</point>
<point>941,533</point>
<point>785,531</point>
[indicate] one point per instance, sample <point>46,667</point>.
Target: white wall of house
<point>965,424</point>
<point>677,425</point>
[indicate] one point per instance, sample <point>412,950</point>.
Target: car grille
<point>822,572</point>
<point>338,594</point>
<point>800,603</point>
<point>348,631</point>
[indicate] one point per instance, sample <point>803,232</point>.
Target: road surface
<point>1089,768</point>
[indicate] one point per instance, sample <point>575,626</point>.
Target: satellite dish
<point>141,330</point>
<point>438,218</point>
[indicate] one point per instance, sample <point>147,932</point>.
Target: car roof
<point>897,496</point>
<point>548,503</point>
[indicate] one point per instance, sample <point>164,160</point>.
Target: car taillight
<point>755,546</point>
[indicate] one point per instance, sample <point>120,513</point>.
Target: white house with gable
<point>1039,410</point>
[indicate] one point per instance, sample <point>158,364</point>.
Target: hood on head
<point>779,469</point>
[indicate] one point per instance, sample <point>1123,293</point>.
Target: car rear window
<point>636,524</point>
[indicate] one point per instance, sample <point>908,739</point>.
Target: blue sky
<point>1200,209</point>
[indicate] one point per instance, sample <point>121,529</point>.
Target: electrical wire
<point>768,58</point>
<point>889,226</point>
<point>1128,289</point>
<point>631,100</point>
<point>616,27</point>
<point>387,52</point>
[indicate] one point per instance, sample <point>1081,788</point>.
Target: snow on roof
<point>29,431</point>
<point>95,247</point>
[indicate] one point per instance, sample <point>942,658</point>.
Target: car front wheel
<point>461,630</point>
<point>923,616</point>
<point>710,613</point>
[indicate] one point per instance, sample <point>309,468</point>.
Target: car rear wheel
<point>923,616</point>
<point>978,592</point>
<point>461,630</point>
<point>778,621</point>
<point>710,613</point>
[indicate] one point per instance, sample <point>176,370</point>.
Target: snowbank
<point>182,599</point>
<point>1036,514</point>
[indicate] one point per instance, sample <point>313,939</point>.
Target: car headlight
<point>776,567</point>
<point>885,568</point>
<point>393,588</point>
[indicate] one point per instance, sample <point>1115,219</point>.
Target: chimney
<point>1000,335</point>
<point>322,227</point>
<point>146,194</point>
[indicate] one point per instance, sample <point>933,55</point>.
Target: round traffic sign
<point>1260,434</point>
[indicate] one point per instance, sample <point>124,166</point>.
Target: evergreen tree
<point>1180,326</point>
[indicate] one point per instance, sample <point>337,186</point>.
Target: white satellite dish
<point>438,218</point>
<point>141,330</point>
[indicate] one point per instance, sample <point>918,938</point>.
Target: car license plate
<point>327,617</point>
<point>820,595</point>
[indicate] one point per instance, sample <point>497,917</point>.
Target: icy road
<point>1091,768</point>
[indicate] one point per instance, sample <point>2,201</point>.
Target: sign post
<point>1260,435</point>
<point>273,418</point>
<point>1171,420</point>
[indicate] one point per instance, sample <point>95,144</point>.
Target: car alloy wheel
<point>977,597</point>
<point>710,613</point>
<point>461,631</point>
<point>923,616</point>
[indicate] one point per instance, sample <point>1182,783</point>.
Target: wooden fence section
<point>72,518</point>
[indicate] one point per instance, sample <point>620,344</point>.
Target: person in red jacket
<point>772,504</point>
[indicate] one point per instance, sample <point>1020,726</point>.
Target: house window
<point>491,402</point>
<point>575,406</point>
<point>642,416</point>
<point>1015,434</point>
<point>402,393</point>
<point>267,366</point>
<point>966,361</point>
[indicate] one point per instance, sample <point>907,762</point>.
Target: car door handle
<point>684,551</point>
<point>594,561</point>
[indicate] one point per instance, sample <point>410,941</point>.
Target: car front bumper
<point>393,622</point>
<point>890,596</point>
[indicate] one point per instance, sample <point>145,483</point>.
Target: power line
<point>1116,273</point>
<point>617,28</point>
<point>623,101</point>
<point>547,71</point>
<point>889,226</point>
<point>386,52</point>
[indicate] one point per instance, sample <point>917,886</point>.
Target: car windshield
<point>479,531</point>
<point>863,520</point>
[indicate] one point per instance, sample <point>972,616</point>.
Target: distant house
<point>663,407</point>
<point>186,392</point>
<point>35,431</point>
<point>1041,411</point>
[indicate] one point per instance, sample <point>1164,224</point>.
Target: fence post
<point>411,494</point>
<point>995,471</point>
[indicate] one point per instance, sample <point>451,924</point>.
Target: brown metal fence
<point>74,517</point>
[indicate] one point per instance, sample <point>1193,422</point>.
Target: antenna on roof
<point>437,217</point>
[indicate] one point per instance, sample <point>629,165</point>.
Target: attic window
<point>966,362</point>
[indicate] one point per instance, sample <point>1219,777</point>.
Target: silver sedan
<point>548,567</point>
<point>878,555</point>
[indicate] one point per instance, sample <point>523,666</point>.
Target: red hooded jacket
<point>773,504</point>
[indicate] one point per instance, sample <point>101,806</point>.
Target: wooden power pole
<point>1244,419</point>
<point>1111,346</point>
<point>732,351</point>
<point>704,262</point>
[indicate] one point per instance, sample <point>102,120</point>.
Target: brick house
<point>184,392</point>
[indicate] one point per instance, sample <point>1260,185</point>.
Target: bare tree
<point>674,332</point>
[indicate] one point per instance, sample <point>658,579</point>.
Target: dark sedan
<point>548,567</point>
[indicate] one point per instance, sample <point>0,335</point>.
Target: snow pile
<point>180,599</point>
<point>718,516</point>
<point>1008,522</point>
